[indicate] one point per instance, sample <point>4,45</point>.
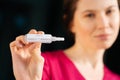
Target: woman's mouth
<point>103,37</point>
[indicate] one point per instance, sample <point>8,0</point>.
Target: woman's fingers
<point>21,44</point>
<point>20,40</point>
<point>36,44</point>
<point>40,32</point>
<point>32,31</point>
<point>13,47</point>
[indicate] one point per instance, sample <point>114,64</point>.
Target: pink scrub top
<point>58,66</point>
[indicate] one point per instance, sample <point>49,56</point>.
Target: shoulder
<point>52,62</point>
<point>110,74</point>
<point>50,58</point>
<point>53,56</point>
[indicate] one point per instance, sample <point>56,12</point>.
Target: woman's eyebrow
<point>87,11</point>
<point>94,10</point>
<point>112,6</point>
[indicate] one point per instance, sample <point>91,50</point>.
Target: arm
<point>26,58</point>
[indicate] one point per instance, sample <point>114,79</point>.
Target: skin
<point>95,25</point>
<point>27,62</point>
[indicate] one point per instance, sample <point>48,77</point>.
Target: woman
<point>94,25</point>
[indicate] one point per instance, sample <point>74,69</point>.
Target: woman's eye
<point>109,12</point>
<point>91,15</point>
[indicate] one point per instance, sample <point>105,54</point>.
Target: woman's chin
<point>105,45</point>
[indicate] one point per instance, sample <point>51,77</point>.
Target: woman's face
<point>96,23</point>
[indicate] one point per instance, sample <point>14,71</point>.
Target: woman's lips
<point>103,36</point>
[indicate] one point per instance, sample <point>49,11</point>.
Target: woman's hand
<point>27,60</point>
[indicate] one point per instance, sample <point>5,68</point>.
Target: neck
<point>86,56</point>
<point>87,61</point>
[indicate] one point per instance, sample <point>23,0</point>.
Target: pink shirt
<point>59,67</point>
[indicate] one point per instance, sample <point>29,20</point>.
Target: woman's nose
<point>103,22</point>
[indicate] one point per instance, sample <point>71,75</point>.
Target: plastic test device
<point>43,38</point>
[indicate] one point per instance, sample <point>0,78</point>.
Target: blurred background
<point>18,17</point>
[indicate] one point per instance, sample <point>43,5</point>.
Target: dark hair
<point>69,7</point>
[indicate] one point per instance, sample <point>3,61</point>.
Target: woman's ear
<point>72,27</point>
